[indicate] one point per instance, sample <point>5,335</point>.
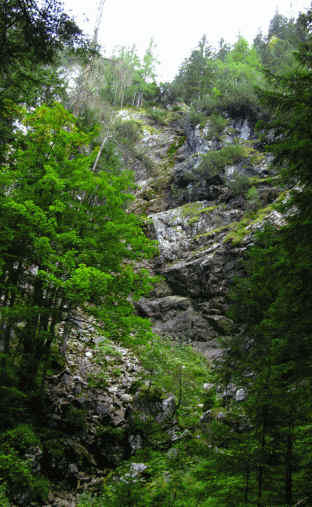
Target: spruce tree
<point>270,357</point>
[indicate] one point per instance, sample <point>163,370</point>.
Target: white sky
<point>177,25</point>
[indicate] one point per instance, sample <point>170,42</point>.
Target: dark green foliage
<point>128,132</point>
<point>238,184</point>
<point>31,36</point>
<point>3,497</point>
<point>196,74</point>
<point>21,438</point>
<point>221,82</point>
<point>217,124</point>
<point>214,162</point>
<point>224,80</point>
<point>271,355</point>
<point>13,406</point>
<point>23,484</point>
<point>74,420</point>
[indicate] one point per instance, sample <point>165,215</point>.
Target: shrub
<point>16,466</point>
<point>215,161</point>
<point>141,154</point>
<point>217,124</point>
<point>253,198</point>
<point>159,116</point>
<point>128,132</point>
<point>20,439</point>
<point>22,485</point>
<point>74,419</point>
<point>195,117</point>
<point>238,184</point>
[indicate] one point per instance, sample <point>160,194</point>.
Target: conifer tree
<point>271,356</point>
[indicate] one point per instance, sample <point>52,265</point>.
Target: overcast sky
<point>177,25</point>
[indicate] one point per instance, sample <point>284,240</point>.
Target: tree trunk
<point>289,467</point>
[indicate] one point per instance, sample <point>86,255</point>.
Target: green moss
<point>255,180</point>
<point>205,211</point>
<point>209,209</point>
<point>239,229</point>
<point>213,232</point>
<point>191,209</point>
<point>173,148</point>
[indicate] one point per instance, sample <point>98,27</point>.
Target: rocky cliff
<point>205,187</point>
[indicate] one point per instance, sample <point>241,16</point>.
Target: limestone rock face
<point>203,221</point>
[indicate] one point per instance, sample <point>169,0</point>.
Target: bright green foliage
<point>236,77</point>
<point>175,369</point>
<point>171,474</point>
<point>218,82</point>
<point>67,240</point>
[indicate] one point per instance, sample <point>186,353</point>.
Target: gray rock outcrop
<point>195,216</point>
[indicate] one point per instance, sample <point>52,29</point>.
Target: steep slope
<point>207,187</point>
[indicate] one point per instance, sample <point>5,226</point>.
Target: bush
<point>217,124</point>
<point>159,116</point>
<point>215,161</point>
<point>20,439</point>
<point>195,117</point>
<point>16,466</point>
<point>22,485</point>
<point>74,419</point>
<point>238,184</point>
<point>142,155</point>
<point>128,132</point>
<point>253,198</point>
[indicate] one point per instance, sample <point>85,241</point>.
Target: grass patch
<point>256,180</point>
<point>239,229</point>
<point>193,210</point>
<point>215,231</point>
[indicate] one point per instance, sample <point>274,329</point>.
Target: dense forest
<point>76,254</point>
